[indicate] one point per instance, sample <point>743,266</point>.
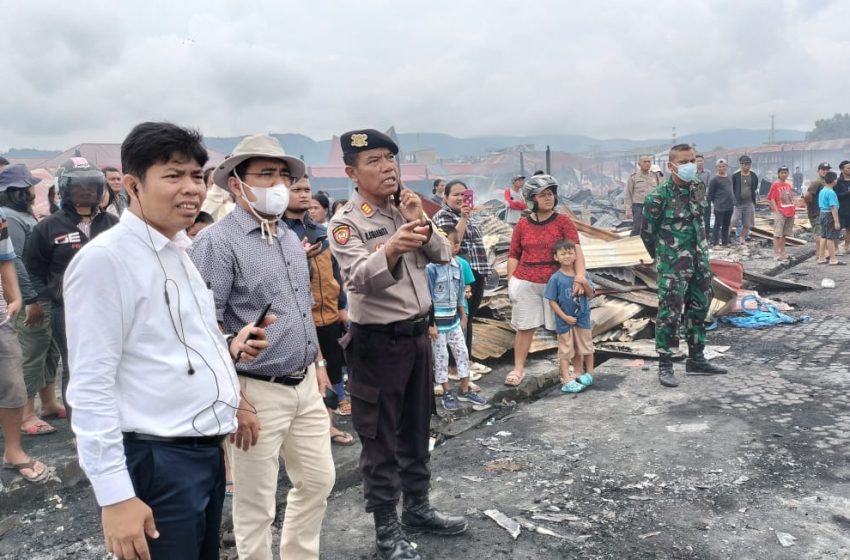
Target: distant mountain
<point>30,153</point>
<point>450,147</point>
<point>297,145</point>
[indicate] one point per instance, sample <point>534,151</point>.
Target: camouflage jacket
<point>673,229</point>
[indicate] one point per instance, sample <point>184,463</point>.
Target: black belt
<point>410,327</point>
<point>207,441</point>
<point>291,379</point>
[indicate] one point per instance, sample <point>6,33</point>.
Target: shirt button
<point>287,263</point>
<point>303,314</point>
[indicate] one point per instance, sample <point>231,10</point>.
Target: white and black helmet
<point>536,185</point>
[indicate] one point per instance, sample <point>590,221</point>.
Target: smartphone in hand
<point>467,197</point>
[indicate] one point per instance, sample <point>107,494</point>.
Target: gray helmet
<point>536,185</point>
<point>77,171</point>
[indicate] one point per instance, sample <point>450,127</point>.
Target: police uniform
<point>388,352</point>
<point>639,185</point>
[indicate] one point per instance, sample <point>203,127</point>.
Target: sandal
<point>61,415</point>
<point>514,379</point>
<point>344,408</point>
<point>572,387</point>
<point>585,379</point>
<point>28,465</point>
<point>838,263</point>
<point>40,428</point>
<point>822,262</point>
<point>343,439</point>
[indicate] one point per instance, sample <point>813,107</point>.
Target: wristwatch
<point>322,363</point>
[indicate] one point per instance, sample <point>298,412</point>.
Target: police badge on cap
<point>356,141</point>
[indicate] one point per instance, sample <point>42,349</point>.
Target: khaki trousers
<point>295,426</point>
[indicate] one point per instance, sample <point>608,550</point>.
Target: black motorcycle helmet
<point>76,174</point>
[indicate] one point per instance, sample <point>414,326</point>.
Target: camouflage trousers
<point>681,294</point>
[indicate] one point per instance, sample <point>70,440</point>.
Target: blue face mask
<point>687,172</point>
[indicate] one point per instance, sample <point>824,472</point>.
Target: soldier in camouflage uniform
<point>674,235</point>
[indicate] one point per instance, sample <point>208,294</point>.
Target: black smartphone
<point>257,323</point>
<point>316,234</point>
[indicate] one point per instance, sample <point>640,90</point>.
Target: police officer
<point>640,183</point>
<point>675,236</point>
<point>383,241</point>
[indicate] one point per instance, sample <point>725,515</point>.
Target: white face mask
<point>271,201</point>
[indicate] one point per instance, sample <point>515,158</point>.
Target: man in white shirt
<point>153,379</point>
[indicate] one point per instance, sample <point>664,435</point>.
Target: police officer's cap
<point>356,141</point>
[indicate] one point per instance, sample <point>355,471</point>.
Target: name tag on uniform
<point>375,233</point>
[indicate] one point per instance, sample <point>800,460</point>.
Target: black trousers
<point>57,324</point>
<point>391,384</point>
<point>331,351</point>
<point>707,218</point>
<point>184,486</point>
<point>637,219</point>
<point>722,221</point>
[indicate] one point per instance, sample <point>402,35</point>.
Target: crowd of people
<point>237,313</point>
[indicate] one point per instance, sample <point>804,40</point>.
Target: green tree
<point>829,129</point>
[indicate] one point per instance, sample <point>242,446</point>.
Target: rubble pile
<point>624,308</point>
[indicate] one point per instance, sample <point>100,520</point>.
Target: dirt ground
<point>721,467</point>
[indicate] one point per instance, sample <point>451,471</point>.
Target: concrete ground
<point>721,467</point>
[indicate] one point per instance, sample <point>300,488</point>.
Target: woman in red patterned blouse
<point>531,263</point>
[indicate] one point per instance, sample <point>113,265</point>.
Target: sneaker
<point>472,397</point>
<point>449,402</point>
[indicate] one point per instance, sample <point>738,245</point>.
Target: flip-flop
<point>822,262</point>
<point>27,465</point>
<point>573,387</point>
<point>838,263</point>
<point>40,428</point>
<point>585,379</point>
<point>347,439</point>
<point>514,379</point>
<point>61,415</point>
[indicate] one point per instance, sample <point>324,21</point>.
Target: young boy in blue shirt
<point>572,321</point>
<point>445,283</point>
<point>829,222</point>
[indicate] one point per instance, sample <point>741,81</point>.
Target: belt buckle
<point>293,380</point>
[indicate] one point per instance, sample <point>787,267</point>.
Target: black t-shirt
<point>842,190</point>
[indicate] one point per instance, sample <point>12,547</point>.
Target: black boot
<point>698,365</point>
<point>418,515</point>
<point>665,372</point>
<point>390,541</point>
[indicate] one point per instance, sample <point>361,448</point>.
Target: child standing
<point>447,330</point>
<point>829,224</point>
<point>784,206</point>
<point>572,321</point>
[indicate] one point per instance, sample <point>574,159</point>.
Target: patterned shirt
<point>245,273</point>
<point>472,245</point>
<point>532,243</point>
<point>673,229</point>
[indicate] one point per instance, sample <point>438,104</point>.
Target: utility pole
<point>521,164</point>
<point>674,135</point>
<point>548,161</point>
<point>772,138</point>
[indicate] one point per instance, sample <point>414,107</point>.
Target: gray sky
<point>86,71</point>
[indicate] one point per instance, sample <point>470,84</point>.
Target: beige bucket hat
<point>258,145</point>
